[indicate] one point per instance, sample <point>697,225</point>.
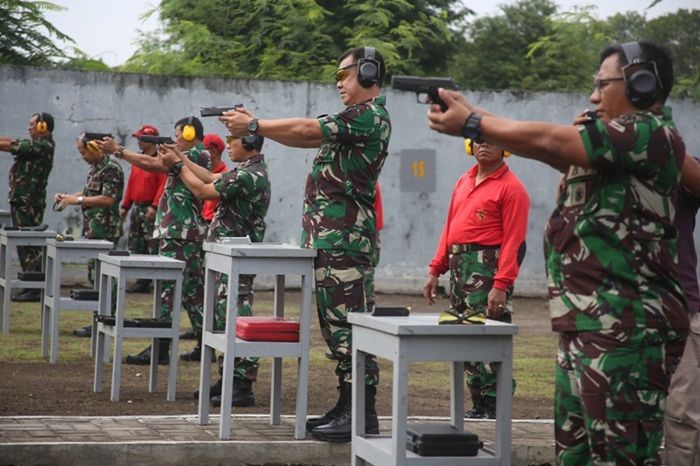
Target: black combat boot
<point>141,286</point>
<point>344,396</point>
<point>28,296</point>
<point>196,354</point>
<point>214,390</point>
<point>243,396</point>
<point>478,408</point>
<point>340,428</point>
<point>490,407</point>
<point>144,357</point>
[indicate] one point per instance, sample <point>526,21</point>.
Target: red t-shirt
<point>209,206</point>
<point>378,208</point>
<point>143,187</point>
<point>493,213</point>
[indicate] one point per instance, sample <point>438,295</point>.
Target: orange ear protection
<point>188,131</point>
<point>41,125</point>
<point>469,148</point>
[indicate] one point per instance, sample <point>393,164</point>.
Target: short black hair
<point>359,52</point>
<point>653,52</point>
<point>194,121</point>
<point>46,118</point>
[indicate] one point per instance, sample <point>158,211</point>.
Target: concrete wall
<point>119,103</point>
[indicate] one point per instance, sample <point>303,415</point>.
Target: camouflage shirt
<point>339,200</point>
<point>105,178</point>
<point>245,198</point>
<point>179,211</point>
<point>30,172</point>
<point>610,245</point>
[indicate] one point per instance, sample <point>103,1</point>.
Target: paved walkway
<point>179,440</point>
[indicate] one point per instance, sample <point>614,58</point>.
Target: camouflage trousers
<point>369,278</point>
<point>141,231</point>
<point>610,395</point>
<point>91,264</point>
<point>244,368</point>
<point>190,252</point>
<point>471,280</point>
<point>28,215</point>
<point>340,290</point>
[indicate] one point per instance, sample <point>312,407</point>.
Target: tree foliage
<point>530,45</point>
<point>27,38</point>
<point>297,39</point>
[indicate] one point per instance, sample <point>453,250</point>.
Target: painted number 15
<point>418,168</point>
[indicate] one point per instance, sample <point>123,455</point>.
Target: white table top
<point>259,250</point>
<point>81,243</point>
<point>142,260</point>
<point>27,233</point>
<point>427,325</point>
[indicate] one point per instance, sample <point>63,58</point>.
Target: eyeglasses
<point>230,139</point>
<point>600,84</point>
<point>344,72</point>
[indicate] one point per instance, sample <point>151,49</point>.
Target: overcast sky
<point>107,29</point>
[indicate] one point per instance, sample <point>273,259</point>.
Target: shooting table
<point>121,268</point>
<point>418,337</point>
<point>9,240</point>
<point>58,253</point>
<point>236,258</point>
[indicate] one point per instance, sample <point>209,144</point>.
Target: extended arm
<point>293,132</point>
<point>556,145</point>
<point>195,184</point>
<point>143,161</point>
<point>5,143</point>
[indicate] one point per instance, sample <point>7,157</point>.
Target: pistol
<point>424,86</point>
<point>156,139</point>
<point>216,111</point>
<point>89,136</point>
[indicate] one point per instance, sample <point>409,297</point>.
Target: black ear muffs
<point>188,130</point>
<point>368,68</point>
<point>250,142</point>
<point>41,125</point>
<point>642,81</point>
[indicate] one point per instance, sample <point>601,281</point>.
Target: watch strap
<point>472,127</point>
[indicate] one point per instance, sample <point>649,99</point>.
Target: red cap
<point>148,130</point>
<point>214,141</point>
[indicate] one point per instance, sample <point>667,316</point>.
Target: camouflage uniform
<point>471,280</point>
<point>29,175</point>
<point>610,250</point>
<point>105,178</point>
<point>244,200</point>
<point>180,230</point>
<point>339,220</point>
<point>141,230</point>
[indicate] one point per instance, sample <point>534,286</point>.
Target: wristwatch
<point>472,127</point>
<point>253,126</point>
<point>80,200</point>
<point>177,167</point>
<point>119,153</point>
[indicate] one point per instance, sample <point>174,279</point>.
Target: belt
<point>465,248</point>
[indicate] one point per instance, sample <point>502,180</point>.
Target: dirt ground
<point>65,388</point>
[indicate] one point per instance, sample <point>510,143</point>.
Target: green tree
<point>495,54</point>
<point>27,38</point>
<point>297,39</point>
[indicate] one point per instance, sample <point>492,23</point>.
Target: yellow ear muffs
<point>41,126</point>
<point>188,131</point>
<point>92,147</point>
<point>468,146</point>
<point>468,317</point>
<point>506,154</point>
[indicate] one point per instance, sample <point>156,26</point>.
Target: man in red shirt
<point>482,245</point>
<point>141,197</point>
<point>215,146</point>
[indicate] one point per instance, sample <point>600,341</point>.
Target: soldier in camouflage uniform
<point>99,202</point>
<point>480,246</point>
<point>29,175</point>
<point>179,228</point>
<point>610,251</point>
<point>141,198</point>
<point>243,196</point>
<point>339,216</point>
